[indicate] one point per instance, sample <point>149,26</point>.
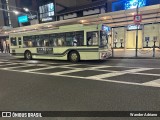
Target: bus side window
<point>60,42</point>
<point>92,38</point>
<point>55,42</point>
<point>74,43</point>
<point>89,39</point>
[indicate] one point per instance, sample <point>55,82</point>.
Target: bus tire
<point>74,56</point>
<point>28,55</point>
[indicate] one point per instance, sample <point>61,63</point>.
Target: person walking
<point>1,47</point>
<point>8,48</point>
<point>4,47</point>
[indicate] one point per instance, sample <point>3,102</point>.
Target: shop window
<point>151,35</point>
<point>118,37</point>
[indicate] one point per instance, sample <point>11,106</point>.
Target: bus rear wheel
<point>28,55</point>
<point>74,56</point>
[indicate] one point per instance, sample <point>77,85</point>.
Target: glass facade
<point>148,35</point>
<point>151,34</point>
<point>119,37</point>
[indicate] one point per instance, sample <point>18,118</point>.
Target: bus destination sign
<point>45,50</point>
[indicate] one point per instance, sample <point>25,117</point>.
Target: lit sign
<point>106,28</point>
<point>130,4</point>
<point>134,27</point>
<point>46,10</point>
<point>45,50</point>
<point>23,19</point>
<point>46,19</point>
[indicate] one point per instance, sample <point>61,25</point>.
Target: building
<point>124,29</point>
<point>8,19</point>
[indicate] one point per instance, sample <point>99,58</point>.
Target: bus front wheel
<point>74,56</point>
<point>28,55</point>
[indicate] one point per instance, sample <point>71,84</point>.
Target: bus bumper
<point>105,55</point>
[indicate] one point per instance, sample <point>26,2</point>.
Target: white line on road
<point>155,83</point>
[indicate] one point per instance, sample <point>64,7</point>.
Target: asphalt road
<point>112,85</point>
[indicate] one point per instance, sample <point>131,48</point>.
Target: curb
<point>134,58</point>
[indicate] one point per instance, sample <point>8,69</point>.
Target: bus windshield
<point>103,39</point>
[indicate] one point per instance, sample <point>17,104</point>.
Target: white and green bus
<point>71,42</point>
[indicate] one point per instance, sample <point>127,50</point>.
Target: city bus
<point>69,42</point>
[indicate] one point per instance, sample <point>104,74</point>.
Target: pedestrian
<point>8,48</point>
<point>4,47</point>
<point>1,47</point>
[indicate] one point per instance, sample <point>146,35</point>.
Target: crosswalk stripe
<point>75,68</point>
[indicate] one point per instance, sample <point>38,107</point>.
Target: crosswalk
<point>115,74</point>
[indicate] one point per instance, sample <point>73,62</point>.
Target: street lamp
<point>136,55</point>
<point>16,12</point>
<point>27,10</point>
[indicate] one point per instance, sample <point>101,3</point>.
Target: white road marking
<point>106,75</point>
<point>44,68</point>
<point>153,83</point>
<point>135,70</point>
<point>146,74</point>
<point>68,71</point>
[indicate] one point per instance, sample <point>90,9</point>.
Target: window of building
<point>118,37</point>
<point>151,34</point>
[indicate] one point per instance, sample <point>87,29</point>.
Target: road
<point>112,85</point>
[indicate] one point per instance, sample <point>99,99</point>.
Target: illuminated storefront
<point>124,36</point>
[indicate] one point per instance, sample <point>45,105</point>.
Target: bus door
<point>19,40</point>
<point>14,42</point>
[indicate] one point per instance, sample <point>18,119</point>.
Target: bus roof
<point>66,28</point>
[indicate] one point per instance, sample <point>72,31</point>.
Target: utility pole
<point>137,31</point>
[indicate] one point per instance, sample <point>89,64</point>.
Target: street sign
<point>137,19</point>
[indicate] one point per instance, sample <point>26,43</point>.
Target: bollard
<point>154,49</point>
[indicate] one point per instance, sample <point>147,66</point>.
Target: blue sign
<point>106,28</point>
<point>130,4</point>
<point>23,19</point>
